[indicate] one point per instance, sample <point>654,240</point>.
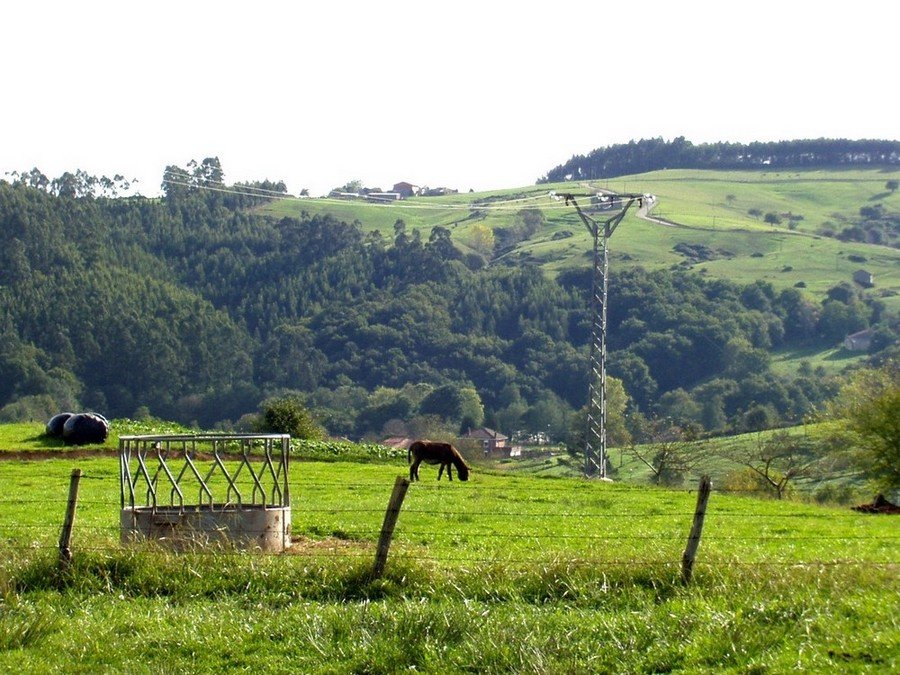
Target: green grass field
<point>30,437</point>
<point>504,573</point>
<point>27,439</point>
<point>833,361</point>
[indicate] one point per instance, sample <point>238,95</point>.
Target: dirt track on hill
<point>644,214</point>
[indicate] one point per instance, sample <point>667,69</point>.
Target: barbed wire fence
<point>462,524</point>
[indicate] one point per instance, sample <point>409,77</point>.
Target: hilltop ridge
<point>656,154</point>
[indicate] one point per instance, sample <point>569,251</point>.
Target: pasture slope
<point>504,573</point>
<point>718,212</point>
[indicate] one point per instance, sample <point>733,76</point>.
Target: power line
<point>182,179</point>
<point>361,198</point>
<point>365,552</point>
<point>673,537</point>
<point>494,205</point>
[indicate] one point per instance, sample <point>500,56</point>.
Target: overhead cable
<point>373,200</point>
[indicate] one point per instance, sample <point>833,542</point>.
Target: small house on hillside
<point>406,190</point>
<point>864,278</point>
<point>859,342</point>
<point>491,441</point>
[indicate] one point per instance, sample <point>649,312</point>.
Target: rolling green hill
<point>710,209</point>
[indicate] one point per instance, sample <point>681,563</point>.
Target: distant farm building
<point>859,342</point>
<point>406,190</point>
<point>383,196</point>
<point>864,278</point>
<point>491,441</point>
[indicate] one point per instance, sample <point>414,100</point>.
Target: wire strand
<point>492,205</point>
<point>289,555</point>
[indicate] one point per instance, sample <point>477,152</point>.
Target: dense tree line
<point>194,308</point>
<point>654,154</point>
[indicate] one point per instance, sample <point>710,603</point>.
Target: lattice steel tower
<point>595,455</point>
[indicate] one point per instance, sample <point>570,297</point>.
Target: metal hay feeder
<point>191,491</point>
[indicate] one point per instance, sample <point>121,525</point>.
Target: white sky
<point>460,94</point>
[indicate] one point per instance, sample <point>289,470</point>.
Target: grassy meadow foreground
<point>504,573</point>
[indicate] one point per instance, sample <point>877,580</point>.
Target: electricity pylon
<point>595,455</point>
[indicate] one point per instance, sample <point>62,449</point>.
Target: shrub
<point>288,415</point>
<point>748,480</point>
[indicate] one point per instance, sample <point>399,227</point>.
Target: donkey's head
<point>462,470</point>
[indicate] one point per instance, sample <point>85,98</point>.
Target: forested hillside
<point>195,308</point>
<point>653,154</point>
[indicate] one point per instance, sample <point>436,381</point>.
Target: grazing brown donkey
<point>433,452</point>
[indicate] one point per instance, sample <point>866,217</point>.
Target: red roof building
<point>491,441</point>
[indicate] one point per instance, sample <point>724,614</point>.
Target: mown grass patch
<point>833,361</point>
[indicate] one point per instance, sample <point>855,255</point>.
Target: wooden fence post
<point>65,537</point>
<point>690,551</point>
<point>387,529</point>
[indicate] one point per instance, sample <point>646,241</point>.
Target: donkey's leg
<point>414,469</point>
<point>449,471</point>
<point>440,471</point>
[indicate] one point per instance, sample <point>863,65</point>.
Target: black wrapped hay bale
<point>54,427</point>
<point>85,428</point>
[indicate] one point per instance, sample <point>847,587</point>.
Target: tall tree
<point>869,402</point>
